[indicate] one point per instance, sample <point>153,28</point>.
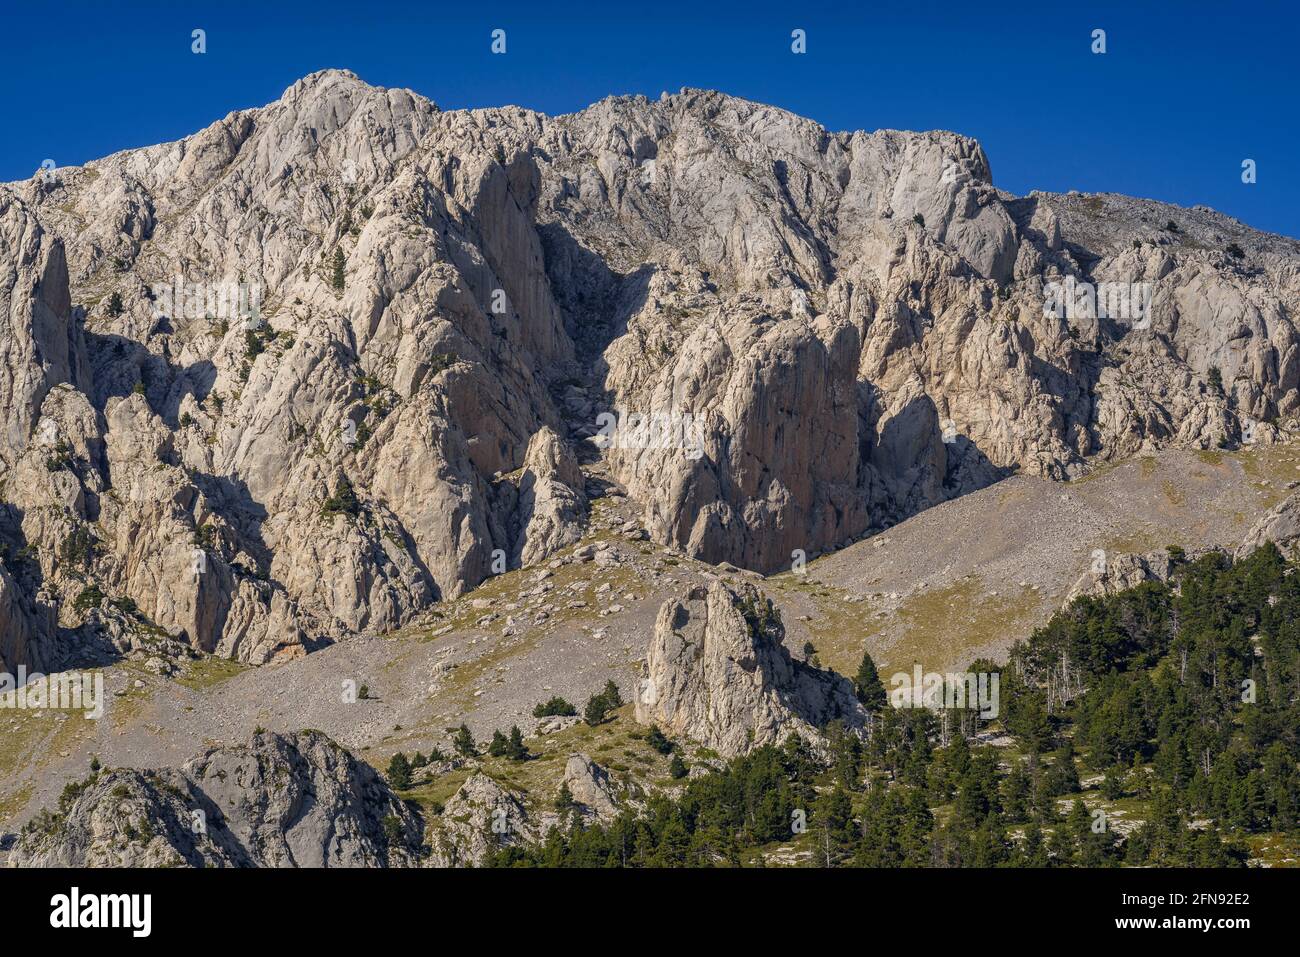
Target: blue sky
<point>1184,93</point>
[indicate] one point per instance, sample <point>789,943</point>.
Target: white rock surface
<point>279,801</point>
<point>838,330</point>
<point>717,673</point>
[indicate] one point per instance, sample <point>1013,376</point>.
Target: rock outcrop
<point>125,818</point>
<point>801,337</point>
<point>278,801</point>
<point>303,801</point>
<point>41,346</point>
<point>552,499</point>
<point>1281,526</point>
<point>26,627</point>
<point>481,817</point>
<point>717,673</point>
<point>591,788</point>
<point>1114,574</point>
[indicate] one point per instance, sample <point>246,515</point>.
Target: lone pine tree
<point>337,278</point>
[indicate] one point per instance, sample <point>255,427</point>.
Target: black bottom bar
<point>391,907</point>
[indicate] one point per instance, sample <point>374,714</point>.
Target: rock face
<point>591,788</point>
<point>800,336</point>
<point>480,817</point>
<point>1120,573</point>
<point>40,345</point>
<point>279,801</point>
<point>717,673</point>
<point>305,802</point>
<point>26,626</point>
<point>1281,526</point>
<point>125,819</point>
<point>552,500</point>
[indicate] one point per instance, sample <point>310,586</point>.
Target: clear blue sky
<point>1185,92</point>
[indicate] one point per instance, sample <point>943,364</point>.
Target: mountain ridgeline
<point>327,363</point>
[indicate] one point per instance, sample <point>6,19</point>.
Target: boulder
<point>591,788</point>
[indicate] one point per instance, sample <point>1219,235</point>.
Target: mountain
<point>473,408</point>
<point>837,331</point>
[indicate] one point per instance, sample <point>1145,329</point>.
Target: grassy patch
<point>839,628</point>
<point>618,745</point>
<point>1173,494</point>
<point>209,672</point>
<point>30,740</point>
<point>1270,467</point>
<point>945,626</point>
<point>1273,850</point>
<point>14,801</point>
<point>1211,456</point>
<point>1101,469</point>
<point>1138,541</point>
<point>124,709</point>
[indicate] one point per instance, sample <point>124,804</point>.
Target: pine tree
<point>564,801</point>
<point>1112,786</point>
<point>1063,776</point>
<point>595,711</point>
<point>1078,823</point>
<point>1032,852</point>
<point>833,822</point>
<point>611,695</point>
<point>343,501</point>
<point>987,845</point>
<point>515,750</point>
<point>957,754</point>
<point>677,768</point>
<point>556,706</point>
<point>337,277</point>
<point>1028,720</point>
<point>867,685</point>
<point>1016,791</point>
<point>918,822</point>
<point>673,845</point>
<point>464,742</point>
<point>498,746</point>
<point>393,828</point>
<point>115,304</point>
<point>846,754</point>
<point>1097,842</point>
<point>978,791</point>
<point>399,772</point>
<point>1061,844</point>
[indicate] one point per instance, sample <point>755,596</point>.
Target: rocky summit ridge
<point>438,314</point>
